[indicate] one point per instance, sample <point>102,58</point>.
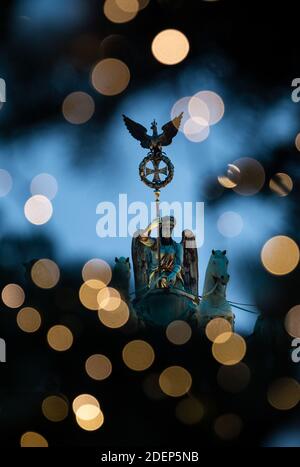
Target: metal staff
<point>157,195</point>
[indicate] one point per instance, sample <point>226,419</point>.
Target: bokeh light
<point>29,319</point>
<point>234,378</point>
<point>280,255</point>
<point>292,321</point>
<point>189,411</point>
<point>281,184</point>
<point>78,107</point>
<point>217,326</point>
<point>5,182</point>
<point>88,293</point>
<point>115,318</point>
<point>13,296</point>
<point>83,400</point>
<point>98,367</point>
<point>230,224</point>
<point>88,413</point>
<point>138,355</point>
<point>44,184</point>
<point>231,177</point>
<point>31,439</point>
<point>91,424</point>
<point>109,299</point>
<point>228,426</point>
<point>38,209</point>
<point>60,338</point>
<point>196,129</point>
<point>97,269</point>
<point>251,177</point>
<point>45,273</point>
<point>181,106</point>
<point>175,381</point>
<point>143,4</point>
<point>229,348</point>
<point>110,76</point>
<point>170,47</point>
<point>284,393</point>
<point>55,408</point>
<point>179,332</point>
<point>120,11</point>
<point>297,141</point>
<point>212,101</point>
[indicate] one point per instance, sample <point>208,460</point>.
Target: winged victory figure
<point>155,141</point>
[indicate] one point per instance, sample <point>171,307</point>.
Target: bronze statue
<point>165,272</point>
<point>156,141</point>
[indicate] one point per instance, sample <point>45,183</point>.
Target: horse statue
<point>167,290</point>
<point>214,303</point>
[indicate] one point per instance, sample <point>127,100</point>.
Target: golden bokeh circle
<point>138,355</point>
<point>97,269</point>
<point>281,184</point>
<point>170,47</point>
<point>229,348</point>
<point>110,76</point>
<point>189,411</point>
<point>280,255</point>
<point>234,378</point>
<point>31,439</point>
<point>88,293</point>
<point>13,296</point>
<point>55,408</point>
<point>38,209</point>
<point>251,176</point>
<point>231,177</point>
<point>60,338</point>
<point>78,107</point>
<point>88,412</point>
<point>84,400</point>
<point>91,424</point>
<point>115,318</point>
<point>45,273</point>
<point>108,299</point>
<point>178,332</point>
<point>228,426</point>
<point>292,321</point>
<point>98,367</point>
<point>118,12</point>
<point>297,141</point>
<point>216,327</point>
<point>29,319</point>
<point>284,393</point>
<point>175,381</point>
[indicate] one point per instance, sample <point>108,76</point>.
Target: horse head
<point>217,266</point>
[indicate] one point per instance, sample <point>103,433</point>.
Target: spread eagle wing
<point>190,262</point>
<point>170,130</point>
<point>138,131</point>
<point>141,258</point>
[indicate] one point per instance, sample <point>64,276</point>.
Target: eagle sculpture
<point>155,141</point>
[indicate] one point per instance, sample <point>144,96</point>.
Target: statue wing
<point>170,130</point>
<point>141,260</point>
<point>138,131</point>
<point>190,262</point>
